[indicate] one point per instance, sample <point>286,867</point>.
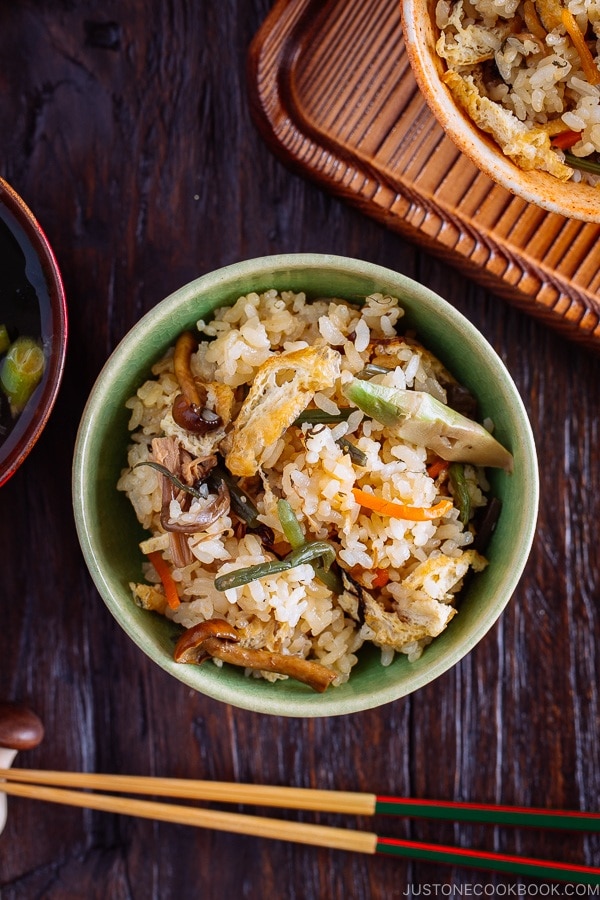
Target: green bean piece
<point>320,417</point>
<point>330,579</point>
<point>241,503</point>
<point>21,372</point>
<point>295,537</point>
<point>312,551</point>
<point>460,491</point>
<point>292,528</point>
<point>307,553</point>
<point>355,454</point>
<point>239,577</point>
<point>4,339</point>
<point>583,163</point>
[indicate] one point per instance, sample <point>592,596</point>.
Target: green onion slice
<point>312,551</point>
<point>21,372</point>
<point>355,453</point>
<point>4,339</point>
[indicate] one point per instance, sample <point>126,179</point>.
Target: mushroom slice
<point>189,407</point>
<point>195,520</point>
<point>283,386</point>
<point>170,456</point>
<point>191,646</point>
<point>217,638</point>
<point>165,452</point>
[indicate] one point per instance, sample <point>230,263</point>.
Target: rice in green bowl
<point>316,470</point>
<point>111,535</point>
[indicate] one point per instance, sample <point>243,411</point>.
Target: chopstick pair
<point>57,787</point>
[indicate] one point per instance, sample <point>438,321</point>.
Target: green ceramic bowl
<point>109,532</point>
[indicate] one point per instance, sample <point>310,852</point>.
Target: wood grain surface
<point>126,128</point>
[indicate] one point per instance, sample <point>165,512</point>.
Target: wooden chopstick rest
<point>20,729</point>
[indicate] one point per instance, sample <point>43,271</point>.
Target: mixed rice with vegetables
<point>311,481</point>
<point>527,72</point>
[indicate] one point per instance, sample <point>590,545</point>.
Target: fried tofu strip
<point>529,148</point>
<point>282,388</point>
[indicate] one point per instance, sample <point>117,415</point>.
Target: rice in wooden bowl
<point>516,85</point>
<point>296,544</point>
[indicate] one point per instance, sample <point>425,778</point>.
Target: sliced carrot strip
<point>532,20</point>
<point>381,578</point>
<point>371,578</point>
<point>398,510</point>
<point>592,73</point>
<point>164,573</point>
<point>436,468</point>
<point>565,139</point>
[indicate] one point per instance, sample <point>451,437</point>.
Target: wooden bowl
<point>574,200</point>
<point>33,273</point>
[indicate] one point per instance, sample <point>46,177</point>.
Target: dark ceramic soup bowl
<point>32,305</point>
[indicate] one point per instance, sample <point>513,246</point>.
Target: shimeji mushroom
<point>189,407</point>
<point>218,639</point>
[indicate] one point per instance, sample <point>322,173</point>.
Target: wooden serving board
<point>332,92</point>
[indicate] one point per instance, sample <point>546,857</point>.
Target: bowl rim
<point>84,511</point>
<point>16,455</point>
<point>475,144</point>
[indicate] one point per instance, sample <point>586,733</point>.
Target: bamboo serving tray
<point>332,93</point>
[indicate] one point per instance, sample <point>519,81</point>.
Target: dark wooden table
<point>126,128</point>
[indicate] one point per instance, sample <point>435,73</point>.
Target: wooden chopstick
<point>345,802</point>
<point>34,784</point>
<point>278,829</point>
<point>299,832</point>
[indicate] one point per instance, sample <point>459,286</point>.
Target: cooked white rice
<point>516,70</point>
<point>418,566</point>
